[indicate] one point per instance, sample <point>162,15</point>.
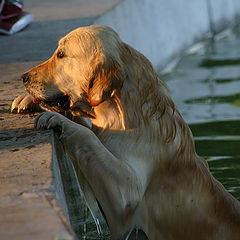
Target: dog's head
<point>83,72</point>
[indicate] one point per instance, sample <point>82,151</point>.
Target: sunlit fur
<point>172,195</point>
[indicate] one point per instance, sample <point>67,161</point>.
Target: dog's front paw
<point>24,103</point>
<point>50,120</point>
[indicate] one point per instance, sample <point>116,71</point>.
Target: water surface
<point>206,89</point>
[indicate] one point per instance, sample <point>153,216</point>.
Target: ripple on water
<point>206,89</point>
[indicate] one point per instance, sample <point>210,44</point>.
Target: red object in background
<point>13,19</point>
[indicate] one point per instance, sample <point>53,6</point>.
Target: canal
<point>205,86</point>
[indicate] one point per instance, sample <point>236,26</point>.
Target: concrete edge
<point>57,176</point>
<point>70,197</point>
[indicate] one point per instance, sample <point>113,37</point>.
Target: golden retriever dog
<point>137,158</point>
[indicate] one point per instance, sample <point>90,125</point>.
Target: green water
<point>206,88</point>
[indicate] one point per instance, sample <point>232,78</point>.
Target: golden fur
<point>138,160</point>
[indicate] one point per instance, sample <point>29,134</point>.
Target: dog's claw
<point>48,120</point>
<point>16,102</point>
<point>24,103</point>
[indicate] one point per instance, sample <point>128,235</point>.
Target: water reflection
<point>206,88</point>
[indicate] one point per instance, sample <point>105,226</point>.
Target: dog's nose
<point>25,78</point>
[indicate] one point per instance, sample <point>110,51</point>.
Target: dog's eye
<point>60,54</point>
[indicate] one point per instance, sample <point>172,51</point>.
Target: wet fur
<point>145,146</point>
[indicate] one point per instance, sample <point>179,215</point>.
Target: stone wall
<point>162,29</point>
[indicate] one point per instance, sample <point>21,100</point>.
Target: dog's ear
<point>104,82</point>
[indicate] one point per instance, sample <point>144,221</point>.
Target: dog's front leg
<point>114,183</point>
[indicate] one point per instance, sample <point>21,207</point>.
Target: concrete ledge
<point>28,206</point>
